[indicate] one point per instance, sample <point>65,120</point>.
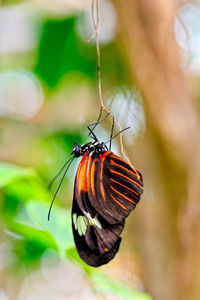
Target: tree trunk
<point>168,218</point>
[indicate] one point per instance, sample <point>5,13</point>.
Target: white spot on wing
<point>81,225</point>
<point>93,221</point>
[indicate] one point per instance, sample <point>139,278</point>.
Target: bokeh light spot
<point>21,95</point>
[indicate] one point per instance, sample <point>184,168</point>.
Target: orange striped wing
<point>114,188</point>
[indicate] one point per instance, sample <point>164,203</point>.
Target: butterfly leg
<point>94,124</point>
<point>99,117</point>
<point>111,134</point>
<point>113,137</point>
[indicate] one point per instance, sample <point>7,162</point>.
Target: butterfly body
<point>106,190</point>
<point>95,146</point>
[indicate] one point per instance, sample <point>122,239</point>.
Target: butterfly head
<point>77,150</point>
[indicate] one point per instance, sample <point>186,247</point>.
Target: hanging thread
<point>96,35</point>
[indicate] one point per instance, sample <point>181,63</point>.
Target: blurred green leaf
<point>20,190</point>
<point>61,51</point>
<point>106,285</point>
<point>33,214</point>
<point>27,189</point>
<point>59,225</point>
<point>28,233</point>
<point>10,172</point>
<point>72,255</point>
<point>29,243</point>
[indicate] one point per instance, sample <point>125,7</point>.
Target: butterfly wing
<point>113,186</point>
<point>97,241</point>
<point>92,242</point>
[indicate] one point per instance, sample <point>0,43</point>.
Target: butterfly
<point>106,190</point>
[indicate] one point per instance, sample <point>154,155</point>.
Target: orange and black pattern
<point>106,190</point>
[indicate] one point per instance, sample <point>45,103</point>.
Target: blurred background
<point>150,67</point>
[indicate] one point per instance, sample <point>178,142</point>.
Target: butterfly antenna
<point>117,134</point>
<point>111,134</point>
<point>70,161</point>
<point>55,177</point>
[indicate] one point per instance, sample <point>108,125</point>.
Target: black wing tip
<point>95,260</point>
